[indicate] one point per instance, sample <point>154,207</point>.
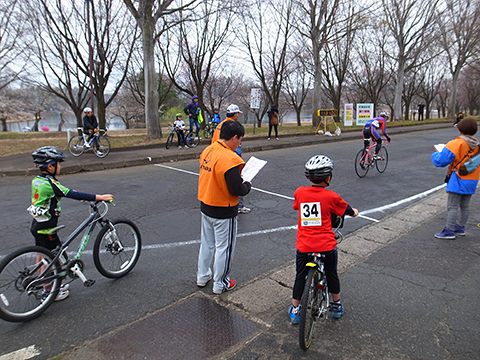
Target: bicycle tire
<point>16,304</point>
<point>309,307</point>
<point>101,146</point>
<point>116,257</point>
<point>75,145</point>
<point>169,140</point>
<point>191,140</point>
<point>361,169</point>
<point>382,164</point>
<point>207,132</point>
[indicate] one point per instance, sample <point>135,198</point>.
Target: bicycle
<point>25,273</point>
<point>365,159</point>
<point>190,139</point>
<point>77,145</point>
<point>315,301</point>
<point>209,130</point>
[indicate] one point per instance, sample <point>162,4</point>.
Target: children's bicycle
<point>190,139</point>
<point>26,274</point>
<point>98,143</point>
<point>315,302</point>
<point>209,130</point>
<point>365,159</point>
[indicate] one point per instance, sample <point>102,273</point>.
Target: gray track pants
<point>454,202</point>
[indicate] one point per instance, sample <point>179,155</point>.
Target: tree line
<point>140,57</point>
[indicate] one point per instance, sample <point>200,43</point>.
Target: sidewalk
<point>407,295</point>
<point>21,164</point>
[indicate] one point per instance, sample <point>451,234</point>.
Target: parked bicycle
<point>25,273</point>
<point>190,139</point>
<point>98,143</point>
<point>315,302</point>
<point>209,130</point>
<point>365,159</point>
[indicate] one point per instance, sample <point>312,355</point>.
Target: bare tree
<point>266,42</point>
<point>469,82</point>
<point>411,25</point>
<point>148,13</point>
<point>433,74</point>
<point>460,38</point>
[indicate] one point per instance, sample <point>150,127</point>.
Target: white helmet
<point>232,109</point>
<point>318,168</point>
<point>87,110</point>
<point>384,114</point>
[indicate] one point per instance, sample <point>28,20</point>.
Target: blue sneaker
<point>337,310</point>
<point>446,234</point>
<point>459,230</point>
<point>294,314</point>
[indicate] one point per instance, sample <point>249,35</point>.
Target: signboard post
<point>326,116</point>
<point>255,98</point>
<point>364,113</point>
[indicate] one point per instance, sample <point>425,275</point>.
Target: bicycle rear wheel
<point>116,251</point>
<point>169,140</point>
<point>361,168</point>
<point>207,132</point>
<point>75,145</point>
<point>309,309</point>
<point>191,140</point>
<point>382,164</point>
<point>101,146</point>
<point>19,300</point>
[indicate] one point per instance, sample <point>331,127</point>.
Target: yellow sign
<point>328,112</point>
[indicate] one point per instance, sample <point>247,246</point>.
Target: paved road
<point>110,305</point>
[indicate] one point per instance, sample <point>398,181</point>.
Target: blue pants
<point>197,125</point>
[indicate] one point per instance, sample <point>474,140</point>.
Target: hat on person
<point>87,110</point>
<point>232,109</point>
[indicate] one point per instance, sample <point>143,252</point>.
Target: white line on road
<point>22,354</point>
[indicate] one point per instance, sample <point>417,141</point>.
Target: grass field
<point>18,143</point>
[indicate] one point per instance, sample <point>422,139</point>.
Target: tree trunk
<point>317,92</point>
<point>452,104</point>
<point>399,90</point>
<point>151,96</point>
<point>298,110</point>
<point>4,123</point>
<point>62,121</point>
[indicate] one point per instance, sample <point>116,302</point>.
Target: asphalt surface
<point>407,294</point>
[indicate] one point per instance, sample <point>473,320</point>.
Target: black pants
<point>270,130</point>
<point>181,137</point>
<point>47,241</point>
<point>330,262</point>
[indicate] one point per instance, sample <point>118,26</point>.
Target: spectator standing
<point>219,186</point>
<point>273,121</point>
<point>192,110</point>
<point>458,119</point>
<point>421,107</point>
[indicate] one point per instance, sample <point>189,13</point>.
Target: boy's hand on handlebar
<point>355,212</point>
<point>105,197</point>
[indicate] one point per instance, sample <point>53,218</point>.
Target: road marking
<point>22,354</point>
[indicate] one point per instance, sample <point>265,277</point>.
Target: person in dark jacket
<point>192,111</point>
<point>90,123</point>
<point>273,121</point>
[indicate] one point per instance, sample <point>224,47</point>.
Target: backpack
<point>471,164</point>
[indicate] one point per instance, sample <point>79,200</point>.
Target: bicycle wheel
<point>116,251</point>
<point>191,140</point>
<point>101,146</point>
<point>309,309</point>
<point>360,167</point>
<point>207,132</point>
<point>382,164</point>
<point>169,140</point>
<point>75,145</point>
<point>20,301</point>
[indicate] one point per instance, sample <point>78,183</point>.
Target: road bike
<point>190,139</point>
<point>365,159</point>
<point>209,130</point>
<point>26,273</point>
<point>99,143</point>
<point>315,302</point>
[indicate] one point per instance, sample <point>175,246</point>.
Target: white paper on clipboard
<point>439,147</point>
<point>252,167</point>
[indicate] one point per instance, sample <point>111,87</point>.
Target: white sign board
<point>348,115</point>
<point>255,98</point>
<point>364,113</point>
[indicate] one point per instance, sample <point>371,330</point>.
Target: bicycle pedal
<point>89,283</point>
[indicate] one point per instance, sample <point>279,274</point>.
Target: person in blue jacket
<point>460,188</point>
<point>192,110</point>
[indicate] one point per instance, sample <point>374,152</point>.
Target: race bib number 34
<point>311,214</point>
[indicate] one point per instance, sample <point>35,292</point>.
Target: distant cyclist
<point>370,131</point>
<point>90,124</point>
<point>215,118</point>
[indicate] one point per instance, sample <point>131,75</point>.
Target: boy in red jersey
<point>315,206</point>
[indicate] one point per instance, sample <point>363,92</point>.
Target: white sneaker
<point>62,295</point>
<point>244,210</point>
<point>64,287</point>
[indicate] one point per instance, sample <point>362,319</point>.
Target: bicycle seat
<point>50,231</point>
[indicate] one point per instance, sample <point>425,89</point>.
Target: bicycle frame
<point>369,160</point>
<point>88,224</point>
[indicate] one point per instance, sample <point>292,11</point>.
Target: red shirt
<point>315,206</point>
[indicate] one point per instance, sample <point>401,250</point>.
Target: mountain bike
<point>365,159</point>
<point>315,302</point>
<point>26,273</point>
<point>190,139</point>
<point>99,143</point>
<point>209,130</point>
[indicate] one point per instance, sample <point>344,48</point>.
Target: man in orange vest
<point>219,185</point>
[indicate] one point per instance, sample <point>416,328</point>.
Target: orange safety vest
<point>216,133</point>
<point>460,148</point>
<point>215,161</point>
